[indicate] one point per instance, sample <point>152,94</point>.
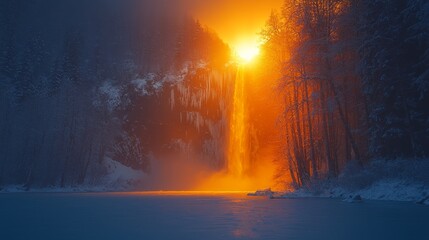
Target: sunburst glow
<point>246,52</point>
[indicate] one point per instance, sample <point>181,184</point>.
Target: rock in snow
<point>262,193</point>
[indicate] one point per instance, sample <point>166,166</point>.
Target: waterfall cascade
<point>238,136</point>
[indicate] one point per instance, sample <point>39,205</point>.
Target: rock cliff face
<point>188,114</point>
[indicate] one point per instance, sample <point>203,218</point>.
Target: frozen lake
<point>204,216</point>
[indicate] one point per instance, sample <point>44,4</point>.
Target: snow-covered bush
<point>128,150</point>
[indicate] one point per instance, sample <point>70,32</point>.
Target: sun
<point>245,53</point>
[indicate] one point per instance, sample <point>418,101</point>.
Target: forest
<point>80,82</point>
<point>87,86</point>
<point>354,79</point>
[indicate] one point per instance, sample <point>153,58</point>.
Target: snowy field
<point>392,180</point>
<point>204,216</point>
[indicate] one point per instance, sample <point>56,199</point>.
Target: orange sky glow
<point>237,22</point>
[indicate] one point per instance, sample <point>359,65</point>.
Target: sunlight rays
<point>245,53</point>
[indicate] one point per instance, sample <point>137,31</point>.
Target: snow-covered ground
<point>388,189</point>
<point>118,178</point>
<point>397,180</point>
